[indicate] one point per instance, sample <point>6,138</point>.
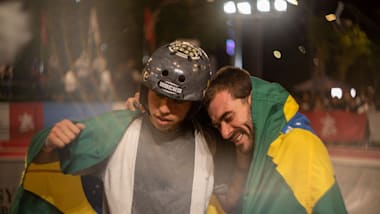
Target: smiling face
<point>232,117</point>
<point>165,113</point>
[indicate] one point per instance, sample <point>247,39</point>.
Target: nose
<point>225,130</point>
<point>164,105</point>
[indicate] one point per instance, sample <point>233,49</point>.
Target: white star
<point>328,126</point>
<point>26,122</point>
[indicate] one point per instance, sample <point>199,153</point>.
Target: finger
<point>132,104</point>
<point>66,131</point>
<point>53,142</point>
<point>75,128</point>
<point>81,126</point>
<point>61,134</point>
<point>129,104</point>
<point>137,96</point>
<point>138,103</point>
<point>141,107</point>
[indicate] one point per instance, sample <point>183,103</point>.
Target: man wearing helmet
<point>153,162</point>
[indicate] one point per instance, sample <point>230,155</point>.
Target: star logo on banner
<point>328,126</point>
<point>26,122</point>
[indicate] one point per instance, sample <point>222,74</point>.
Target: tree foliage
<point>342,48</point>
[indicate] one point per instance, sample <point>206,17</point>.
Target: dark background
<point>122,22</point>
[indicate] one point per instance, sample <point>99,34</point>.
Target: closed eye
<point>227,117</point>
<point>216,125</point>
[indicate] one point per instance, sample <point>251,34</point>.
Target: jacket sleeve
<point>96,142</point>
<point>36,144</point>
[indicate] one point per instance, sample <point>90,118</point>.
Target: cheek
<point>180,110</point>
<point>246,114</point>
<point>241,119</point>
<point>244,118</point>
<point>152,105</point>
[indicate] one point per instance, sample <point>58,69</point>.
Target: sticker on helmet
<point>145,75</point>
<point>185,50</point>
<point>170,87</point>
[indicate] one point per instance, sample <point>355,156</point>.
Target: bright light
<point>353,92</point>
<point>280,5</point>
<point>316,61</point>
<point>263,5</point>
<point>230,47</point>
<point>336,92</point>
<point>302,49</point>
<point>293,2</point>
<point>244,8</point>
<point>277,54</point>
<point>330,17</point>
<point>229,7</point>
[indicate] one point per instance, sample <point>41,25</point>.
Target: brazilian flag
<point>67,186</point>
<point>291,171</point>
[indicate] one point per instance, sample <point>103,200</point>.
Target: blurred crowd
<point>365,101</point>
<point>89,79</point>
<point>6,77</point>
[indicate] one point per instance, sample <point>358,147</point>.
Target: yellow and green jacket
<point>290,171</point>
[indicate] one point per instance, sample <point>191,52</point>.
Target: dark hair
<point>195,105</point>
<point>234,80</point>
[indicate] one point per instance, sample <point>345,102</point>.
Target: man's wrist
<point>47,147</point>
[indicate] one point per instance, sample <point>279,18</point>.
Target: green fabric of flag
<point>94,145</point>
<point>272,185</point>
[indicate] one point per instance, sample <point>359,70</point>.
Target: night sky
<point>286,33</point>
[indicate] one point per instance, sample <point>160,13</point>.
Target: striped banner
<point>339,126</point>
<point>19,122</point>
<point>4,122</point>
<point>374,124</point>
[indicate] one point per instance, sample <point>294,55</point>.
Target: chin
<point>165,128</point>
<point>244,148</point>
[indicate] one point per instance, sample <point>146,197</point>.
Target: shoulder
<point>299,140</point>
<point>299,145</point>
<point>303,162</point>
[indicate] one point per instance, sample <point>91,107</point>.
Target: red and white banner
<point>374,124</point>
<point>19,123</point>
<point>339,126</point>
<point>4,122</point>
